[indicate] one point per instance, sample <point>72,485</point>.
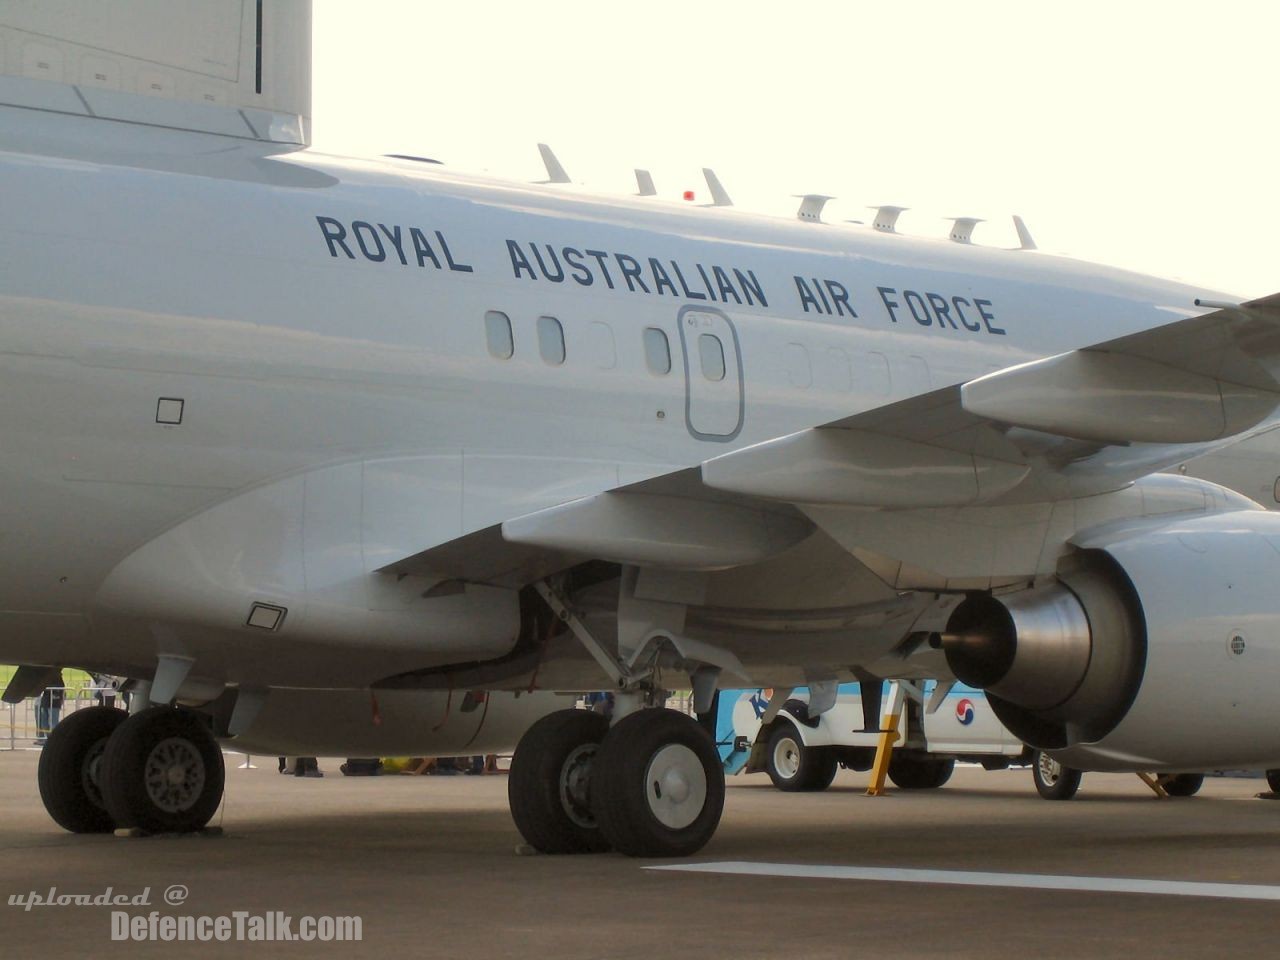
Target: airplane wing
<point>1067,426</point>
<point>1002,448</point>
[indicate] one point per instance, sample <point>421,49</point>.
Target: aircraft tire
<point>657,789</point>
<point>548,789</point>
<point>1273,780</point>
<point>794,767</point>
<point>916,773</point>
<point>1184,785</point>
<point>68,775</point>
<point>162,772</point>
<point>1053,780</point>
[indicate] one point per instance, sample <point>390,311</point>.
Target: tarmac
<point>430,865</point>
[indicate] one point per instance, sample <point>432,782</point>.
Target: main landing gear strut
<point>159,770</point>
<point>649,785</point>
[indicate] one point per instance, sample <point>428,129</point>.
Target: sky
<point>1137,134</point>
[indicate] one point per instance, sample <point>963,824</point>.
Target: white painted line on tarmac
<point>964,878</point>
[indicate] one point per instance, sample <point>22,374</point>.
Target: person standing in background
<point>49,708</point>
<point>106,694</point>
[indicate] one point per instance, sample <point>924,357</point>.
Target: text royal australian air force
<point>640,273</point>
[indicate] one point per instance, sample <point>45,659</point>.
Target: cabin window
<point>657,351</point>
<point>497,331</point>
<point>711,353</point>
<point>551,340</point>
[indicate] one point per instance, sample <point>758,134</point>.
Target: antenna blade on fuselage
<point>1024,235</point>
<point>555,172</point>
<point>719,196</point>
<point>811,205</point>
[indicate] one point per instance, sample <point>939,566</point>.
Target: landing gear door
<point>714,394</point>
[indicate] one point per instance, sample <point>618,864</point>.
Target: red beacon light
<point>688,194</point>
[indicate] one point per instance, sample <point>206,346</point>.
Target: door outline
<point>685,348</point>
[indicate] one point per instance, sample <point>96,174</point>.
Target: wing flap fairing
<point>655,530</point>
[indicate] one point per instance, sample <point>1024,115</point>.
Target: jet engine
<point>1156,648</point>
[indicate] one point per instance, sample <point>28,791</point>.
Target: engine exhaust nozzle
<point>1031,648</point>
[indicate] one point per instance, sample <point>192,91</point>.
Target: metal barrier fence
<point>22,728</point>
<point>681,700</point>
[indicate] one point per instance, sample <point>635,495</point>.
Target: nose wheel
<point>162,772</point>
<point>159,770</point>
<point>70,769</point>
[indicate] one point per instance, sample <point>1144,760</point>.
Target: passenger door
<point>714,395</point>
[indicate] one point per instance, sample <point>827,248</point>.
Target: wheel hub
<point>90,771</point>
<point>786,758</point>
<point>174,775</point>
<point>1050,769</point>
<point>575,785</point>
<point>676,786</point>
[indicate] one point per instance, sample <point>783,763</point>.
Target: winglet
<point>555,172</point>
<point>962,228</point>
<point>1024,235</point>
<point>886,219</point>
<point>719,196</point>
<point>811,205</point>
<point>644,181</point>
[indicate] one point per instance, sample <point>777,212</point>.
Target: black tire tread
<point>533,783</point>
<point>61,762</point>
<point>817,765</point>
<point>1064,789</point>
<point>618,788</point>
<point>1184,785</point>
<point>919,773</point>
<point>122,765</point>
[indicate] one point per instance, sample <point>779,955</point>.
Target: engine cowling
<point>1157,648</point>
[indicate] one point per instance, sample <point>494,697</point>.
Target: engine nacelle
<point>1158,648</point>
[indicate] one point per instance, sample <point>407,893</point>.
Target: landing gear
<point>1053,780</point>
<point>70,770</point>
<point>652,786</point>
<point>549,785</point>
<point>1184,784</point>
<point>162,771</point>
<point>919,773</point>
<point>795,768</point>
<point>1273,780</point>
<point>653,782</point>
<point>657,788</point>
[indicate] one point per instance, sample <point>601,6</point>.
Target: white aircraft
<point>281,427</point>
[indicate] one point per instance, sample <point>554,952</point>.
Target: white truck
<point>802,753</point>
<point>938,726</point>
